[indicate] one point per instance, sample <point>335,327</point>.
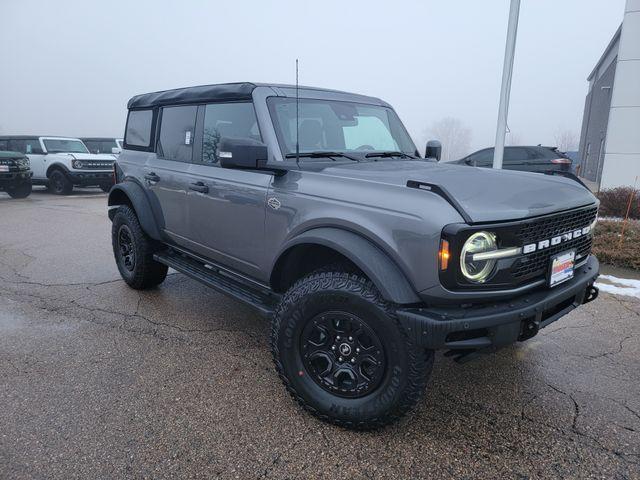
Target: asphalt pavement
<point>101,381</point>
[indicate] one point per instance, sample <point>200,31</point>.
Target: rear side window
<point>138,132</point>
<point>237,120</point>
<point>4,145</point>
<point>177,126</point>
<point>515,155</point>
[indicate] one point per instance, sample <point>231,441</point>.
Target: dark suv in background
<point>525,158</point>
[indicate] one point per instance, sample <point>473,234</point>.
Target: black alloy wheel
<point>343,354</point>
<point>126,248</point>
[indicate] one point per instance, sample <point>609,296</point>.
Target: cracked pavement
<point>101,381</point>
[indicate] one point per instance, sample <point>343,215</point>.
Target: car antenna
<point>297,119</point>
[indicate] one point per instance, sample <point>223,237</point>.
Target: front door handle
<point>199,187</point>
<point>152,177</point>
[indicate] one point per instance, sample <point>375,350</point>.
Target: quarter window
<point>138,132</point>
<point>237,120</point>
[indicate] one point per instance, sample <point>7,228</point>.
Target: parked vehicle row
<point>316,208</point>
<point>60,163</point>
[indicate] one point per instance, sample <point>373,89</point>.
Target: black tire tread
<point>20,191</point>
<point>67,186</point>
<point>421,360</point>
<point>148,273</point>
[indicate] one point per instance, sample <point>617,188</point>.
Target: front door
<point>227,206</point>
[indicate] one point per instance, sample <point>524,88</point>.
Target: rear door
<point>165,173</point>
<point>227,206</point>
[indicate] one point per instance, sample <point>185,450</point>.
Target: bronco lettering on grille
<point>565,237</point>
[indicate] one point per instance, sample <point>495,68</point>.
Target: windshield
<point>332,126</point>
<point>59,145</point>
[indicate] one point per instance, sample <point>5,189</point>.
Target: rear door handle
<point>152,177</point>
<point>199,187</point>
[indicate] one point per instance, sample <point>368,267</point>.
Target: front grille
<point>537,263</point>
<point>96,165</point>
<point>550,226</point>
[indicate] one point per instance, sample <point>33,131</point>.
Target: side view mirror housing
<point>242,153</point>
<point>116,151</point>
<point>433,150</point>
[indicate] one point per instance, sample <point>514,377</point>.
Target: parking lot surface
<point>101,381</point>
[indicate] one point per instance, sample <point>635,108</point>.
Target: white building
<point>610,138</point>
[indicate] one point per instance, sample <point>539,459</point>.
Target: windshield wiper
<point>321,154</point>
<point>389,154</point>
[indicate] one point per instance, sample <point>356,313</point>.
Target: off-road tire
<point>105,187</point>
<point>408,365</point>
<point>144,272</point>
<point>59,184</point>
<point>20,191</point>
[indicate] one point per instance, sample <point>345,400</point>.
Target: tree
<point>454,136</point>
<point>566,140</point>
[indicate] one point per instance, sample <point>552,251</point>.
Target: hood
<point>486,195</point>
<point>92,156</point>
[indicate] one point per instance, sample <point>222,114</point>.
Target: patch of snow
<point>619,286</point>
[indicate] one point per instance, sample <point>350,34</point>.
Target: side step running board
<point>262,300</point>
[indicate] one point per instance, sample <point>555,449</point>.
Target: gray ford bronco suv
<point>315,207</point>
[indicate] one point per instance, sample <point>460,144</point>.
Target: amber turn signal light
<point>444,255</point>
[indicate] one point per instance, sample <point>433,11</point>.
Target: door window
<point>177,126</point>
<point>237,120</point>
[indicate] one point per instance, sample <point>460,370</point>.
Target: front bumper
<point>11,178</point>
<point>496,324</point>
<point>90,178</point>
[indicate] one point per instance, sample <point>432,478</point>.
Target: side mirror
<point>433,150</point>
<point>116,151</point>
<point>242,153</point>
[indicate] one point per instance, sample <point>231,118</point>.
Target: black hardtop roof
<point>31,137</point>
<point>221,92</point>
<point>20,137</point>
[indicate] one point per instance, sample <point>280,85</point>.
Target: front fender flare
<point>375,263</point>
<point>135,194</point>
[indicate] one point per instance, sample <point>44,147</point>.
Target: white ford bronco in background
<point>62,163</point>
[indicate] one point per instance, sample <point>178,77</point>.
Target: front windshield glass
<point>332,126</point>
<point>60,145</point>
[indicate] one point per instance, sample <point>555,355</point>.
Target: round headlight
<point>76,164</point>
<point>477,271</point>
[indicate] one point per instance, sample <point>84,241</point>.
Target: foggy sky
<point>69,67</point>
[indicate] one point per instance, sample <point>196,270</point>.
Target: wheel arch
<point>57,166</point>
<point>133,195</point>
<point>342,244</point>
